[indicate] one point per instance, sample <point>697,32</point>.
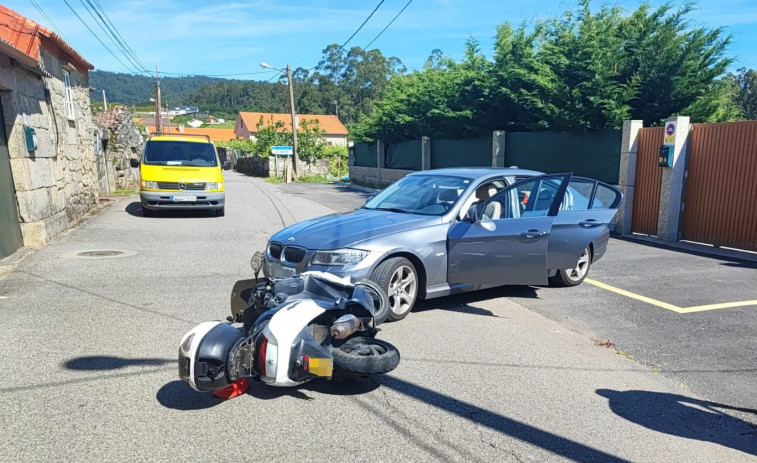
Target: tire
<point>573,276</point>
<point>221,212</point>
<point>380,300</point>
<point>402,296</point>
<point>366,356</point>
<point>147,212</point>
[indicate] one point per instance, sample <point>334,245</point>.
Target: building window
<point>69,95</point>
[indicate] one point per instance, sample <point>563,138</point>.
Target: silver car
<point>446,231</point>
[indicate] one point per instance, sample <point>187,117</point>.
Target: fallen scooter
<point>294,330</point>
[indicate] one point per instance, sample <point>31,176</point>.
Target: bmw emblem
<point>182,186</point>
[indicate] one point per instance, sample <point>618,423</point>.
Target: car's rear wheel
<point>574,276</point>
<point>398,277</point>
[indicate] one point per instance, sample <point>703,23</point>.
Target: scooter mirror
<point>256,262</point>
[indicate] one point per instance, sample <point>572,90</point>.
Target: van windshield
<point>180,153</point>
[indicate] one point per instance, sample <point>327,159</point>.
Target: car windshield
<point>420,194</point>
<point>180,153</point>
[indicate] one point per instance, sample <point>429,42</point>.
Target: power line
<point>111,36</point>
<point>114,29</point>
<point>189,74</point>
<point>50,21</point>
<point>96,36</point>
<point>341,47</point>
<point>390,23</point>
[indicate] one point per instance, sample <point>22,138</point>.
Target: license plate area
<point>288,272</point>
<point>183,199</point>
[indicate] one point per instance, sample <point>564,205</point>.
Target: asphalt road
<point>89,354</point>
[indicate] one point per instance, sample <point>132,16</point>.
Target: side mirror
<point>472,214</point>
<point>369,198</point>
<point>134,162</point>
<point>256,262</point>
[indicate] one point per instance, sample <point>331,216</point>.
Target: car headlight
<point>339,257</point>
<point>151,185</point>
<point>213,186</point>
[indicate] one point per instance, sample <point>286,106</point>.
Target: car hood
<point>343,230</point>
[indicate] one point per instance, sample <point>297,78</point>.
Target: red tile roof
<point>329,123</point>
<point>214,134</point>
<point>27,36</point>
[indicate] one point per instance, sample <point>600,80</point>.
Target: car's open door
<point>506,241</point>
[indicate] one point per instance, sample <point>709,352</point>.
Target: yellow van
<point>180,172</point>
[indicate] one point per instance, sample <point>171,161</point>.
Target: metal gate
<point>720,196</point>
<point>646,193</point>
<point>10,230</point>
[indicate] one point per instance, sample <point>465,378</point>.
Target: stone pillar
<point>351,156</point>
<point>671,191</point>
<point>498,148</point>
<point>425,153</point>
<point>627,177</point>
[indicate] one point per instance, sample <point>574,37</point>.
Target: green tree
<point>742,89</point>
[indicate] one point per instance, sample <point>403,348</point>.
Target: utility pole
<point>105,101</point>
<point>336,108</point>
<point>158,121</point>
<point>295,158</point>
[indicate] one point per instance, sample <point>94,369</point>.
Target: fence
<point>595,155</point>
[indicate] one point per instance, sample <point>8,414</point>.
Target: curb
<point>364,189</point>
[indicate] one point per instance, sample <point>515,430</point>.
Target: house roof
<point>329,123</point>
<point>27,37</point>
<point>214,134</point>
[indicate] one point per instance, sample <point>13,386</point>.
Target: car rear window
<point>180,153</point>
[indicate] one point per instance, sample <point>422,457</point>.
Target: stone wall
<point>272,167</point>
<point>119,140</point>
<point>56,184</point>
<point>374,177</point>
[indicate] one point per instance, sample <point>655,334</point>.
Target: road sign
<point>282,150</point>
<point>670,133</point>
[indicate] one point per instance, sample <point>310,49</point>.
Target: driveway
<point>89,348</point>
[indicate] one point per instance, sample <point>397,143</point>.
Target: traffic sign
<point>282,150</point>
<point>670,133</point>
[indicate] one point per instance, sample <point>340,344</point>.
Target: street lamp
<point>288,71</point>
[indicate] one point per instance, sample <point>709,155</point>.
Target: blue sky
<point>226,37</point>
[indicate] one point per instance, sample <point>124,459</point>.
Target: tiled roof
<point>214,134</point>
<point>26,36</point>
<point>110,118</point>
<point>329,123</point>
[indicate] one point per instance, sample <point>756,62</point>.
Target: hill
<point>137,90</point>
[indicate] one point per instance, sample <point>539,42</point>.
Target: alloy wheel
<point>403,288</point>
<point>577,273</point>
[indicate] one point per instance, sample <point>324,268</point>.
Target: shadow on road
<point>104,362</point>
<point>179,396</point>
<point>135,209</point>
<point>683,416</point>
<point>463,302</point>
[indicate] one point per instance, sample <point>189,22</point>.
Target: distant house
<point>50,176</point>
<point>182,110</point>
<point>248,125</point>
<point>214,134</point>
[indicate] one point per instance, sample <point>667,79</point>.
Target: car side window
<point>532,198</point>
<point>578,194</point>
<point>606,198</point>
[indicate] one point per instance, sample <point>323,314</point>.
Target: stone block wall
<point>56,184</point>
<point>376,178</point>
<point>119,140</point>
<point>271,167</point>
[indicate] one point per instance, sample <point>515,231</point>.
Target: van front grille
<point>181,186</point>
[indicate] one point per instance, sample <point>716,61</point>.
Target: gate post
<point>671,191</point>
<point>380,159</point>
<point>629,147</point>
<point>425,153</point>
<point>498,148</point>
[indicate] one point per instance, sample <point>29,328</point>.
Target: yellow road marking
<point>665,305</point>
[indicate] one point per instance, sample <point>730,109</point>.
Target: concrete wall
<point>336,140</point>
<point>57,183</point>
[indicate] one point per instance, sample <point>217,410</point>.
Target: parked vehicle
<point>180,172</point>
<point>310,326</point>
<point>446,231</point>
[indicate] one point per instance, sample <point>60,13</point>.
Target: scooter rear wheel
<point>366,356</point>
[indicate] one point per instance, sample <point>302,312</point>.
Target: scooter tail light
<point>262,355</point>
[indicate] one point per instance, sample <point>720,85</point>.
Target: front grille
<point>294,254</point>
<point>187,186</point>
<point>274,250</point>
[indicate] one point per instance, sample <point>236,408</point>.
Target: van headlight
<point>339,257</point>
<point>213,186</point>
<point>151,185</point>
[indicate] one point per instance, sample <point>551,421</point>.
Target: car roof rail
<point>156,134</point>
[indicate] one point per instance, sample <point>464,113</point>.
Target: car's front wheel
<point>398,277</point>
<point>574,276</point>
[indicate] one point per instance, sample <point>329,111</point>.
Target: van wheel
<point>221,212</point>
<point>147,212</point>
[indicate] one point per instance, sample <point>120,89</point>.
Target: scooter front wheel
<point>381,302</point>
<point>366,356</point>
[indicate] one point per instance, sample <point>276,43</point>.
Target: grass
<point>304,179</point>
<point>124,192</point>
